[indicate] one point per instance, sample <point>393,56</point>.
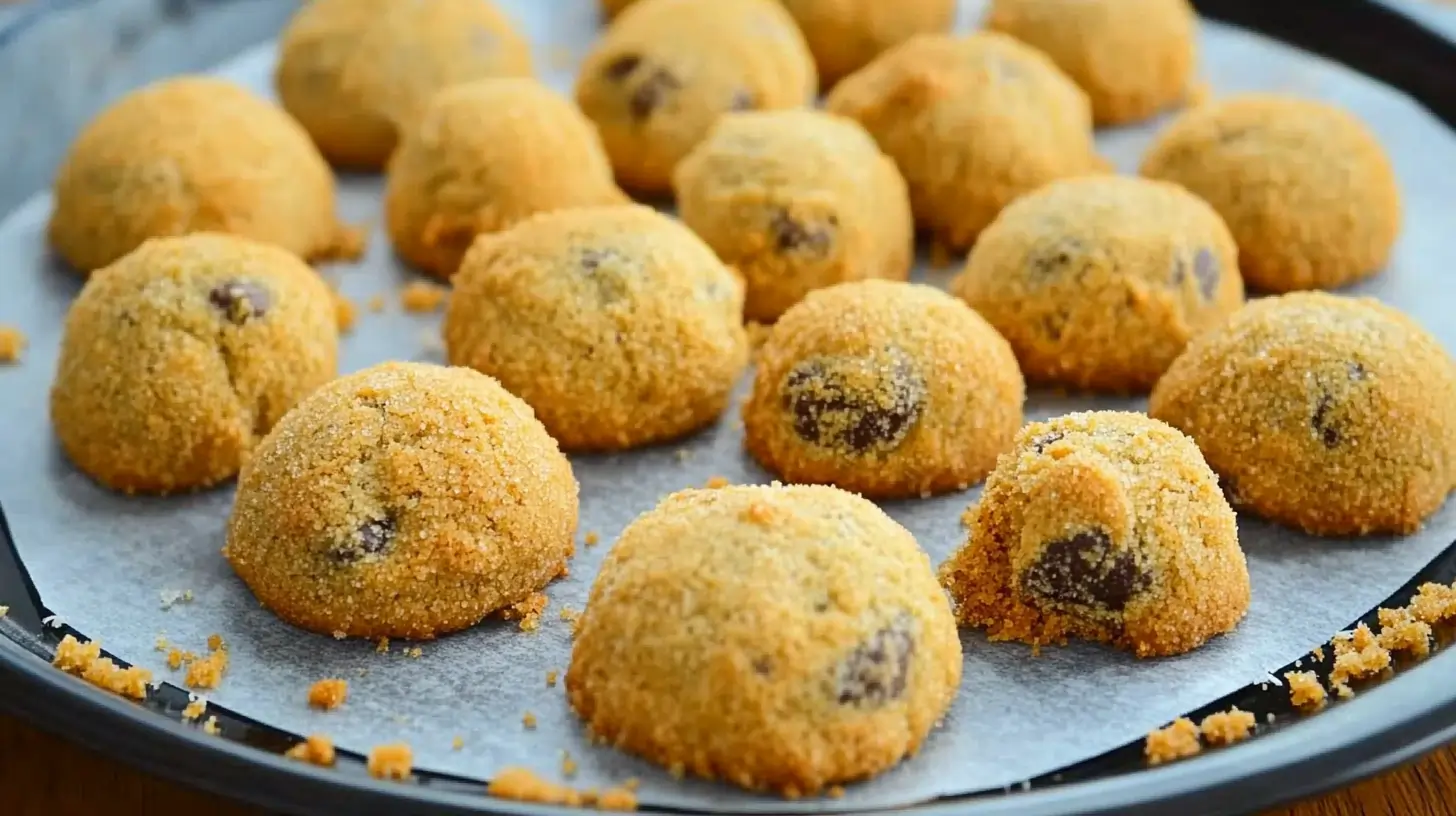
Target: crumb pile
<point>523,785</point>
<point>85,661</point>
<point>328,694</point>
<point>395,761</point>
<point>1181,739</point>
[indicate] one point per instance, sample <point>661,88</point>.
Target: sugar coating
<point>406,500</point>
<point>885,389</point>
<point>618,325</point>
<point>1107,526</point>
<point>353,72</point>
<point>193,154</point>
<point>484,155</point>
<point>1304,186</point>
<point>781,638</point>
<point>1133,58</point>
<point>973,122</point>
<point>1331,414</point>
<point>178,358</point>
<point>667,69</point>
<point>796,201</point>
<point>1100,282</point>
<point>1177,741</point>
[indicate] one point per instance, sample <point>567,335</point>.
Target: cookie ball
<point>178,358</point>
<point>1333,415</point>
<point>1307,191</point>
<point>1106,526</point>
<point>845,36</point>
<point>617,324</point>
<point>1132,57</point>
<point>779,638</point>
<point>973,122</point>
<point>796,201</point>
<point>193,154</point>
<point>406,500</point>
<point>485,155</point>
<point>354,72</point>
<point>886,389</point>
<point>1099,282</point>
<point>667,69</point>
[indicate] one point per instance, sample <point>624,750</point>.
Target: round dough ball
<point>1106,526</point>
<point>1132,57</point>
<point>354,72</point>
<point>667,69</point>
<point>193,154</point>
<point>406,500</point>
<point>1100,282</point>
<point>796,201</point>
<point>781,638</point>
<point>617,324</point>
<point>886,389</point>
<point>178,358</point>
<point>973,122</point>
<point>1333,415</point>
<point>485,155</point>
<point>844,35</point>
<point>1307,191</point>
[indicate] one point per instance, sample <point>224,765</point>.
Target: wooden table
<point>41,775</point>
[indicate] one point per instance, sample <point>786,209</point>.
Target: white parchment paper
<point>102,560</point>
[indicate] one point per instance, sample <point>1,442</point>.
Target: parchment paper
<point>102,560</point>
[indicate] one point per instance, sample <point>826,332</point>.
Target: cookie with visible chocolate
<point>667,69</point>
<point>1333,415</point>
<point>1106,526</point>
<point>816,648</point>
<point>884,388</point>
<point>406,500</point>
<point>1100,282</point>
<point>179,357</point>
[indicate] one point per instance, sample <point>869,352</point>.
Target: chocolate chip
<point>1085,570</point>
<point>763,666</point>
<point>876,672</point>
<point>1323,423</point>
<point>1052,258</point>
<point>855,404</point>
<point>1357,372</point>
<point>1055,324</point>
<point>1205,270</point>
<point>792,235</point>
<point>652,92</point>
<point>619,68</point>
<point>1040,443</point>
<point>240,301</point>
<point>373,537</point>
<point>742,100</point>
<point>610,283</point>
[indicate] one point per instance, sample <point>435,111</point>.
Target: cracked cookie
<point>353,72</point>
<point>883,388</point>
<point>193,154</point>
<point>483,156</point>
<point>1099,282</point>
<point>1333,415</point>
<point>973,122</point>
<point>796,201</point>
<point>1106,526</point>
<point>618,325</point>
<point>778,638</point>
<point>178,358</point>
<point>667,69</point>
<point>1304,186</point>
<point>1132,57</point>
<point>406,500</point>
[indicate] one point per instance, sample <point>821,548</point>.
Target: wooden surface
<point>41,775</point>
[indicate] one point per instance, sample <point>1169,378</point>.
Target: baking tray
<point>126,43</point>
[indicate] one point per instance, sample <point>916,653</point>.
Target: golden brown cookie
<point>973,122</point>
<point>1334,415</point>
<point>796,201</point>
<point>1307,191</point>
<point>616,324</point>
<point>779,638</point>
<point>406,500</point>
<point>1099,282</point>
<point>484,155</point>
<point>1106,526</point>
<point>667,69</point>
<point>886,389</point>
<point>193,154</point>
<point>1132,57</point>
<point>178,358</point>
<point>844,35</point>
<point>354,72</point>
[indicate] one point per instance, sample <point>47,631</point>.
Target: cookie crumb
<point>4,610</point>
<point>375,304</point>
<point>316,749</point>
<point>160,644</point>
<point>529,721</point>
<point>211,728</point>
<point>391,761</point>
<point>457,743</point>
<point>568,765</point>
<point>345,313</point>
<point>172,597</point>
<point>572,617</point>
<point>12,343</point>
<point>617,799</point>
<point>522,785</point>
<point>422,296</point>
<point>414,652</point>
<point>1177,741</point>
<point>592,539</point>
<point>759,513</point>
<point>632,783</point>
<point>196,708</point>
<point>1434,603</point>
<point>1305,691</point>
<point>85,661</point>
<point>328,694</point>
<point>1227,727</point>
<point>716,482</point>
<point>551,678</point>
<point>1400,632</point>
<point>214,642</point>
<point>528,611</point>
<point>1357,655</point>
<point>1343,691</point>
<point>207,672</point>
<point>1318,653</point>
<point>683,455</point>
<point>382,646</point>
